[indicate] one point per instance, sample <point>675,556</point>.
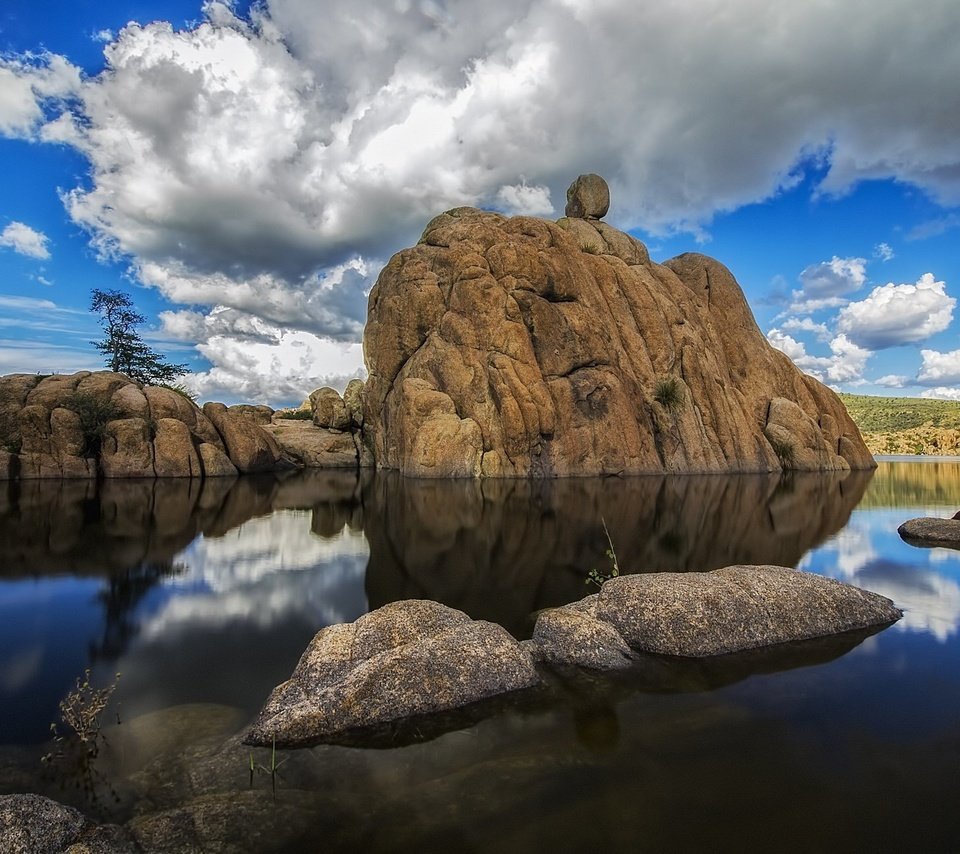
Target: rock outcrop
<point>88,424</point>
<point>406,659</point>
<point>517,347</point>
<point>932,531</point>
<point>700,614</point>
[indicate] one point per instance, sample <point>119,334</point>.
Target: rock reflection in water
<point>500,550</point>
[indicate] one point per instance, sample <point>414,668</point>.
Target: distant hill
<point>906,425</point>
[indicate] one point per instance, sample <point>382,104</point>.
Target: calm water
<point>204,595</point>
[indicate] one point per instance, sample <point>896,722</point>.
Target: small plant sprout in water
<point>81,710</point>
<point>273,768</point>
<point>597,577</point>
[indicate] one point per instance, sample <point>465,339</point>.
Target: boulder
<point>126,450</point>
<point>329,409</point>
<point>408,659</point>
<point>588,197</point>
<point>697,614</point>
<point>249,446</point>
<point>932,531</point>
<point>353,401</point>
<point>516,347</point>
<point>569,636</point>
<point>214,461</point>
<point>315,447</point>
<point>259,413</point>
<point>167,403</point>
<point>173,452</point>
<point>33,824</point>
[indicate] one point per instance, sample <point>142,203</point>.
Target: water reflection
<point>869,552</point>
<point>500,550</point>
<point>208,592</point>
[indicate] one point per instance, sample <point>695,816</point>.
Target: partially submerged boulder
<point>699,614</point>
<point>33,824</point>
<point>406,659</point>
<point>932,531</point>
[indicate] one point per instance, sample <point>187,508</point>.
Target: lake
<point>202,596</point>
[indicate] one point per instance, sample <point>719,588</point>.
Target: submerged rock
<point>406,659</point>
<point>517,347</point>
<point>931,531</point>
<point>699,614</point>
<point>33,824</point>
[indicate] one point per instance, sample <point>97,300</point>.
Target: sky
<point>243,171</point>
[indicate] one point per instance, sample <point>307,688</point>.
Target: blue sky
<point>245,173</point>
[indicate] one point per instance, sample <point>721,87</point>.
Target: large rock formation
<point>88,424</point>
<point>503,347</point>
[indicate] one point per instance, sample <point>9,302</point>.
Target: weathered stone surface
<point>215,463</point>
<point>166,403</point>
<point>409,658</point>
<point>588,196</point>
<point>329,409</point>
<point>259,413</point>
<point>249,446</point>
<point>931,531</point>
<point>82,424</point>
<point>503,347</point>
<point>569,636</point>
<point>33,824</point>
<point>315,447</point>
<point>699,614</point>
<point>127,450</point>
<point>173,452</point>
<point>353,401</point>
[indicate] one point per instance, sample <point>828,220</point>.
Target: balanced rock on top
<point>588,198</point>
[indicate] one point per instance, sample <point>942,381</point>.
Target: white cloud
<point>939,368</point>
<point>524,200</point>
<point>898,314</point>
<point>941,393</point>
<point>275,372</point>
<point>845,364</point>
<point>834,277</point>
<point>805,324</point>
<point>240,162</point>
<point>884,252</point>
<point>21,238</point>
<point>27,84</point>
<point>892,381</point>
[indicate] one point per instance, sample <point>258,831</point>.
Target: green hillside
<point>888,414</point>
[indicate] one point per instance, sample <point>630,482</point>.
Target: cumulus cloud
<point>845,364</point>
<point>277,370</point>
<point>21,238</point>
<point>524,200</point>
<point>247,158</point>
<point>892,381</point>
<point>27,84</point>
<point>898,314</point>
<point>939,368</point>
<point>805,324</point>
<point>826,284</point>
<point>941,393</point>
